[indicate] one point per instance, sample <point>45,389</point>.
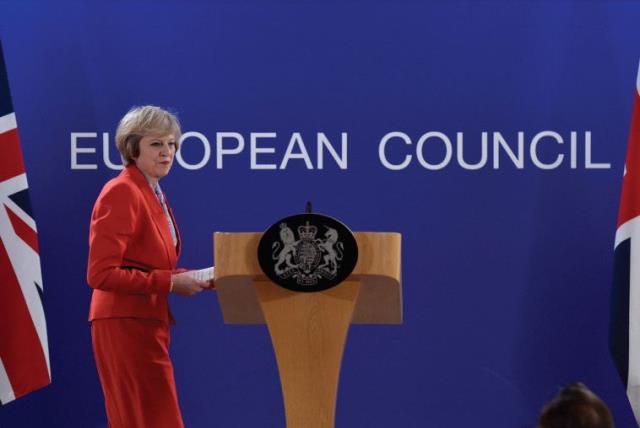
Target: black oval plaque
<point>308,252</point>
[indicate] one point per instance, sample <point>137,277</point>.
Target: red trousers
<point>136,373</point>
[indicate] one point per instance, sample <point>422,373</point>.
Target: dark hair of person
<point>575,406</point>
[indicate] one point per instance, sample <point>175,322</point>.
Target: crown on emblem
<point>307,231</point>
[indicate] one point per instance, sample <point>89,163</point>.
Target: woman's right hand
<point>184,285</point>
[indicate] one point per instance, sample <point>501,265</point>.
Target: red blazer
<point>131,252</point>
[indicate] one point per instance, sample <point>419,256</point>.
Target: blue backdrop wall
<point>507,265</point>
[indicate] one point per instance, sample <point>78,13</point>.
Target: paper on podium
<point>205,274</point>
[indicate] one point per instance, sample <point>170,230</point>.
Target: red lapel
<point>155,208</point>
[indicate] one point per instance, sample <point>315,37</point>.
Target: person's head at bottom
<point>575,406</point>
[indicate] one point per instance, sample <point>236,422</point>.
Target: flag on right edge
<point>624,337</point>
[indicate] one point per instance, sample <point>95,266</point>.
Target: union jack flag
<point>624,339</point>
<point>24,353</point>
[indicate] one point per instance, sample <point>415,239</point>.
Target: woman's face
<point>156,155</point>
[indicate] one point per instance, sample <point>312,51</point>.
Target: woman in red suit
<point>134,245</point>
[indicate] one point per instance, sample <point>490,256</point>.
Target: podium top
<point>378,270</point>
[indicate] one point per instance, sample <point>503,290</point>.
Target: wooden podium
<point>309,330</point>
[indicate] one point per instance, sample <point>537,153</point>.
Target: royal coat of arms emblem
<point>308,252</point>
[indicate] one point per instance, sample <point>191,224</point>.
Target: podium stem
<point>308,332</point>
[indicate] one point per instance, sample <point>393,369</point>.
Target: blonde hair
<point>141,122</point>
